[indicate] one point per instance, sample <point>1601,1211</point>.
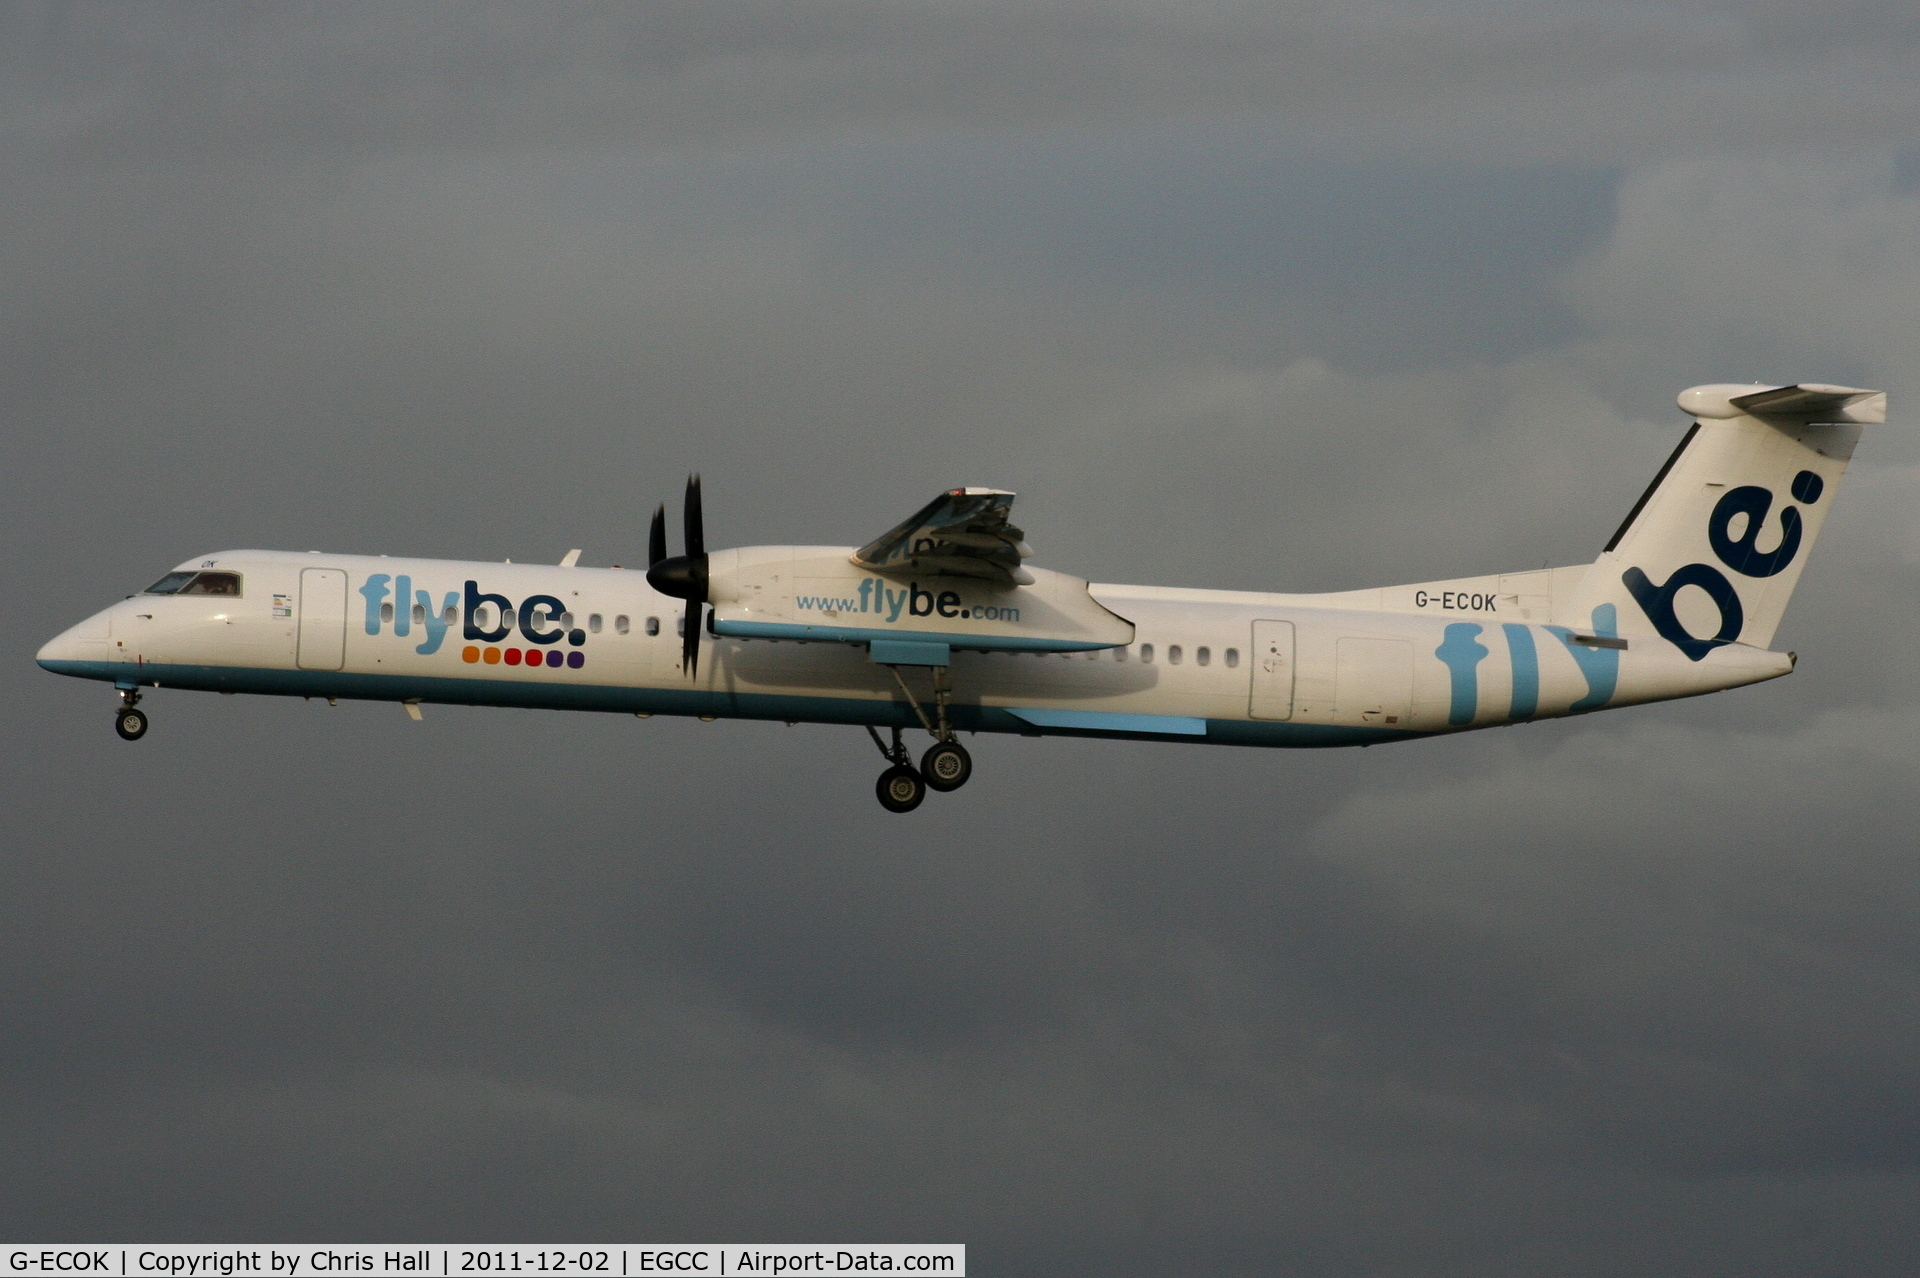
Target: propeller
<point>683,576</point>
<point>657,536</point>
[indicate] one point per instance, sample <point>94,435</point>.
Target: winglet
<point>573,557</point>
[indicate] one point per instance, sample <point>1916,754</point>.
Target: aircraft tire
<point>947,766</point>
<point>131,724</point>
<point>900,789</point>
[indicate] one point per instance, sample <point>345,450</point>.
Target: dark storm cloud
<point>1242,295</point>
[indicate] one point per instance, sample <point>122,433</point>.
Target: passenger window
<point>450,615</point>
<point>1146,654</point>
<point>620,624</point>
<point>566,620</point>
<point>419,614</point>
<point>483,618</point>
<point>1173,655</point>
<point>1202,655</point>
<point>1119,654</point>
<point>386,611</point>
<point>170,584</point>
<point>506,616</point>
<point>593,623</point>
<point>1233,658</point>
<point>653,625</point>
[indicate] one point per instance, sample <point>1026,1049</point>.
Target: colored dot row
<point>530,657</point>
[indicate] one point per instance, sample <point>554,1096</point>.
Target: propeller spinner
<point>683,576</point>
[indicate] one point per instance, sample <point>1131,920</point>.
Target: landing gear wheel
<point>900,789</point>
<point>947,766</point>
<point>131,724</point>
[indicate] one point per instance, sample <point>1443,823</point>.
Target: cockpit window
<point>197,583</point>
<point>170,584</point>
<point>213,583</point>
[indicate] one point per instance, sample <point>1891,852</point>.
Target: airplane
<point>943,623</point>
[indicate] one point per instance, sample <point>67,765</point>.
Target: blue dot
<point>576,637</point>
<point>1807,487</point>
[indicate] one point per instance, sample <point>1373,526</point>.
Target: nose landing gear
<point>129,722</point>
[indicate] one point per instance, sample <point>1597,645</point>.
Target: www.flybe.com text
<point>875,600</point>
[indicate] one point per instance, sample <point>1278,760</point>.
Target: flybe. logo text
<point>541,620</point>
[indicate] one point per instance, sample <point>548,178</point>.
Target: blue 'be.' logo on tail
<point>1740,554</point>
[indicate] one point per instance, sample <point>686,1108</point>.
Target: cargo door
<point>1373,682</point>
<point>323,619</point>
<point>1272,670</point>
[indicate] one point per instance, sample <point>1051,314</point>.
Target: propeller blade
<point>683,576</point>
<point>657,536</point>
<point>695,525</point>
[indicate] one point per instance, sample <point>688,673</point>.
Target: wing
<point>961,533</point>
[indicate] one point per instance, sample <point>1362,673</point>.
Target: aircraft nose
<point>59,648</point>
<point>84,642</point>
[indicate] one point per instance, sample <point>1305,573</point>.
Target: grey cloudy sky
<point>1299,296</point>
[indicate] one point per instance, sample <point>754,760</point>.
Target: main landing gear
<point>946,766</point>
<point>129,722</point>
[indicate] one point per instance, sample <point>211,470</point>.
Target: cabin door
<point>323,619</point>
<point>1272,670</point>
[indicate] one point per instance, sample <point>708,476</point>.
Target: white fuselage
<point>1220,666</point>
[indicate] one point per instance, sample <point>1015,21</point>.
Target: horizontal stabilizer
<point>1809,401</point>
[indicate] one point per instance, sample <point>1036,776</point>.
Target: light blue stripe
<point>1462,652</point>
<point>854,634</point>
<point>1600,666</point>
<point>556,695</point>
<point>1103,721</point>
<point>1526,670</point>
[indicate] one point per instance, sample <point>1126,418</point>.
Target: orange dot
<point>493,656</point>
<point>469,655</point>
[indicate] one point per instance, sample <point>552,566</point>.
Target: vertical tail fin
<point>1713,549</point>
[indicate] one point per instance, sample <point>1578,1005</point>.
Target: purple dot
<point>554,658</point>
<point>575,659</point>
